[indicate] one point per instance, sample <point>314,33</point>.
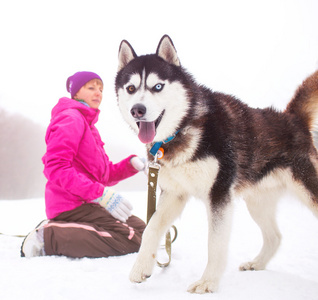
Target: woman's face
<point>91,93</point>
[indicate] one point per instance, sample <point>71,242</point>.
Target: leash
<point>153,173</point>
<point>13,235</point>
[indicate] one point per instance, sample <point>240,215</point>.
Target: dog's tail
<point>305,102</point>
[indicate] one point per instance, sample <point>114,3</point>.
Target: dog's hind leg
<point>262,208</point>
<point>219,233</point>
<point>169,208</point>
<point>305,185</point>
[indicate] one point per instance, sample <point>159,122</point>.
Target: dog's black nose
<point>138,111</point>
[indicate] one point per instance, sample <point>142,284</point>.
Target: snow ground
<point>292,274</point>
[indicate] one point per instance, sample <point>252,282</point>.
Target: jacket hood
<point>90,114</point>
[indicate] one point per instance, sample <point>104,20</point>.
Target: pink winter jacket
<point>75,164</point>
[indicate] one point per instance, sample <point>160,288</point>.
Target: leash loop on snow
<point>153,173</point>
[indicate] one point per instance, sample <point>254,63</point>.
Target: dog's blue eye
<point>158,87</point>
<point>131,89</point>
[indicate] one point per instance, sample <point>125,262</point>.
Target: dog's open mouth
<point>147,130</point>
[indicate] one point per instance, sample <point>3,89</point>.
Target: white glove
<point>138,163</point>
<point>117,205</point>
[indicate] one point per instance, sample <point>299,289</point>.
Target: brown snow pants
<point>91,231</point>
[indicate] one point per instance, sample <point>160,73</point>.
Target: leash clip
<point>154,163</point>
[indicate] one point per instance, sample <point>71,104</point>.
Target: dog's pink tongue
<point>147,132</point>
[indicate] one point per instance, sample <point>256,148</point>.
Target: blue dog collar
<point>154,149</point>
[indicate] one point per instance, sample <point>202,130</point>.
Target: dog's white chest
<point>194,178</point>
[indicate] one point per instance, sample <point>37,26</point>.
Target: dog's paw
<point>138,276</point>
<point>251,266</point>
<point>141,271</point>
<point>203,286</point>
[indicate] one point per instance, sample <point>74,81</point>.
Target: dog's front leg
<point>219,233</point>
<point>169,208</point>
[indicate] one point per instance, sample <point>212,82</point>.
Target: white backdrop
<point>259,51</point>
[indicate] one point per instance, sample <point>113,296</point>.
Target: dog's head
<point>151,91</point>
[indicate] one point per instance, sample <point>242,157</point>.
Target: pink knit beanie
<point>76,81</point>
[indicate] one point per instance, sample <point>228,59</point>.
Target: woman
<point>85,217</point>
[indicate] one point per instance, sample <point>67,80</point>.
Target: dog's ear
<point>167,51</point>
<point>125,55</point>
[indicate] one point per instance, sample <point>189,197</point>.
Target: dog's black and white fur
<point>222,149</point>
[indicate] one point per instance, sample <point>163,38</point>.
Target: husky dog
<point>215,148</point>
